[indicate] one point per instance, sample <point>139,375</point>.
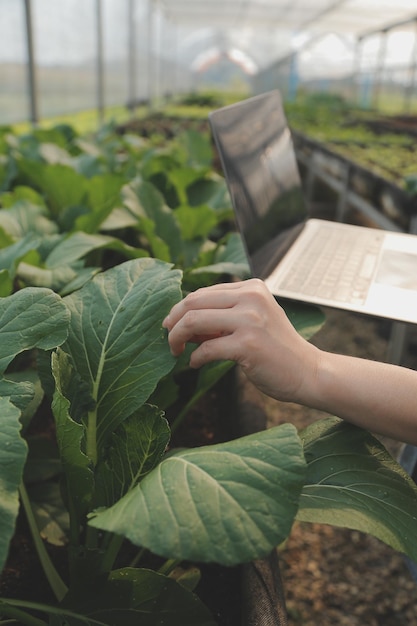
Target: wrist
<point>315,373</point>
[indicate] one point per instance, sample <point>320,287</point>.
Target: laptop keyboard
<point>336,266</point>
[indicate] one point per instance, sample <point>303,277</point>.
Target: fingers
<point>200,325</point>
<point>216,349</point>
<point>221,297</point>
<point>210,314</point>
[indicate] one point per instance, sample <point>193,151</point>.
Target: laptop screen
<point>257,155</point>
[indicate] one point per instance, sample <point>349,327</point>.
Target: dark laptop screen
<point>258,160</point>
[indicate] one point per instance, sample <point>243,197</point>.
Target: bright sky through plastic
<point>65,35</point>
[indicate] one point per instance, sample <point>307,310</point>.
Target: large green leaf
<point>156,219</point>
<point>228,503</point>
<point>306,319</point>
<point>12,460</point>
<point>70,435</point>
<point>50,513</point>
<point>130,597</point>
<point>21,394</point>
<point>24,217</point>
<point>11,255</point>
<point>198,148</point>
<point>151,599</point>
<point>61,184</point>
<point>79,244</point>
<point>196,222</point>
<point>103,195</point>
<point>56,279</point>
<point>353,482</point>
<point>31,318</point>
<point>135,448</point>
<point>116,339</point>
<point>6,284</point>
<point>211,190</point>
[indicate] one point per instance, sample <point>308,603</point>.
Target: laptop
<point>317,261</point>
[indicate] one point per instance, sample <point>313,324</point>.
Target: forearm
<point>377,396</point>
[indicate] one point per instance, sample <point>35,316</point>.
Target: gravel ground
<point>334,576</point>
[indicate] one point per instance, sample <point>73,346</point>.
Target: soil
<point>334,576</point>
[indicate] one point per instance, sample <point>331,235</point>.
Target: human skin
<point>242,322</point>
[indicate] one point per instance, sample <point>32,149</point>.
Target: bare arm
<point>242,322</point>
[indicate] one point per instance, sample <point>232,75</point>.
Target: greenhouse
<point>182,445</point>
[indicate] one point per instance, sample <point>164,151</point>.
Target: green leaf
<point>12,460</point>
<point>6,284</point>
<point>79,244</point>
<point>82,277</point>
<point>119,219</point>
<point>24,217</point>
<point>132,597</point>
<point>228,503</point>
<point>71,435</point>
<point>116,339</point>
<point>353,482</point>
<point>196,222</point>
<point>306,319</point>
<point>198,147</point>
<point>157,219</point>
<point>232,250</point>
<point>182,178</point>
<point>50,513</point>
<point>103,195</point>
<point>211,190</point>
<point>22,194</point>
<point>31,318</point>
<point>135,448</point>
<point>29,378</point>
<point>61,184</point>
<point>21,394</point>
<point>12,255</point>
<point>55,279</point>
<point>149,599</point>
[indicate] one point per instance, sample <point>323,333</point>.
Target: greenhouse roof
<point>271,29</point>
<point>342,16</point>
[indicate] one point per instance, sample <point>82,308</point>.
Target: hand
<point>242,322</point>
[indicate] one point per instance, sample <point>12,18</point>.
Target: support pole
<point>32,87</point>
<point>380,69</point>
<point>356,73</point>
<point>132,55</point>
<point>150,93</point>
<point>409,90</point>
<point>100,63</point>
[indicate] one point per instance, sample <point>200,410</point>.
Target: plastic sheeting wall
<point>88,54</point>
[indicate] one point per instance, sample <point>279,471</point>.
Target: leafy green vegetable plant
<point>351,133</point>
<point>85,288</point>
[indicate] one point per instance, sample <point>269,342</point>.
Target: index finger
<point>221,296</point>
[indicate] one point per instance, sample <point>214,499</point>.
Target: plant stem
<point>91,437</point>
<point>12,603</point>
<point>112,551</point>
<point>168,566</point>
<point>21,616</point>
<point>137,558</point>
<point>57,584</point>
<point>183,413</point>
